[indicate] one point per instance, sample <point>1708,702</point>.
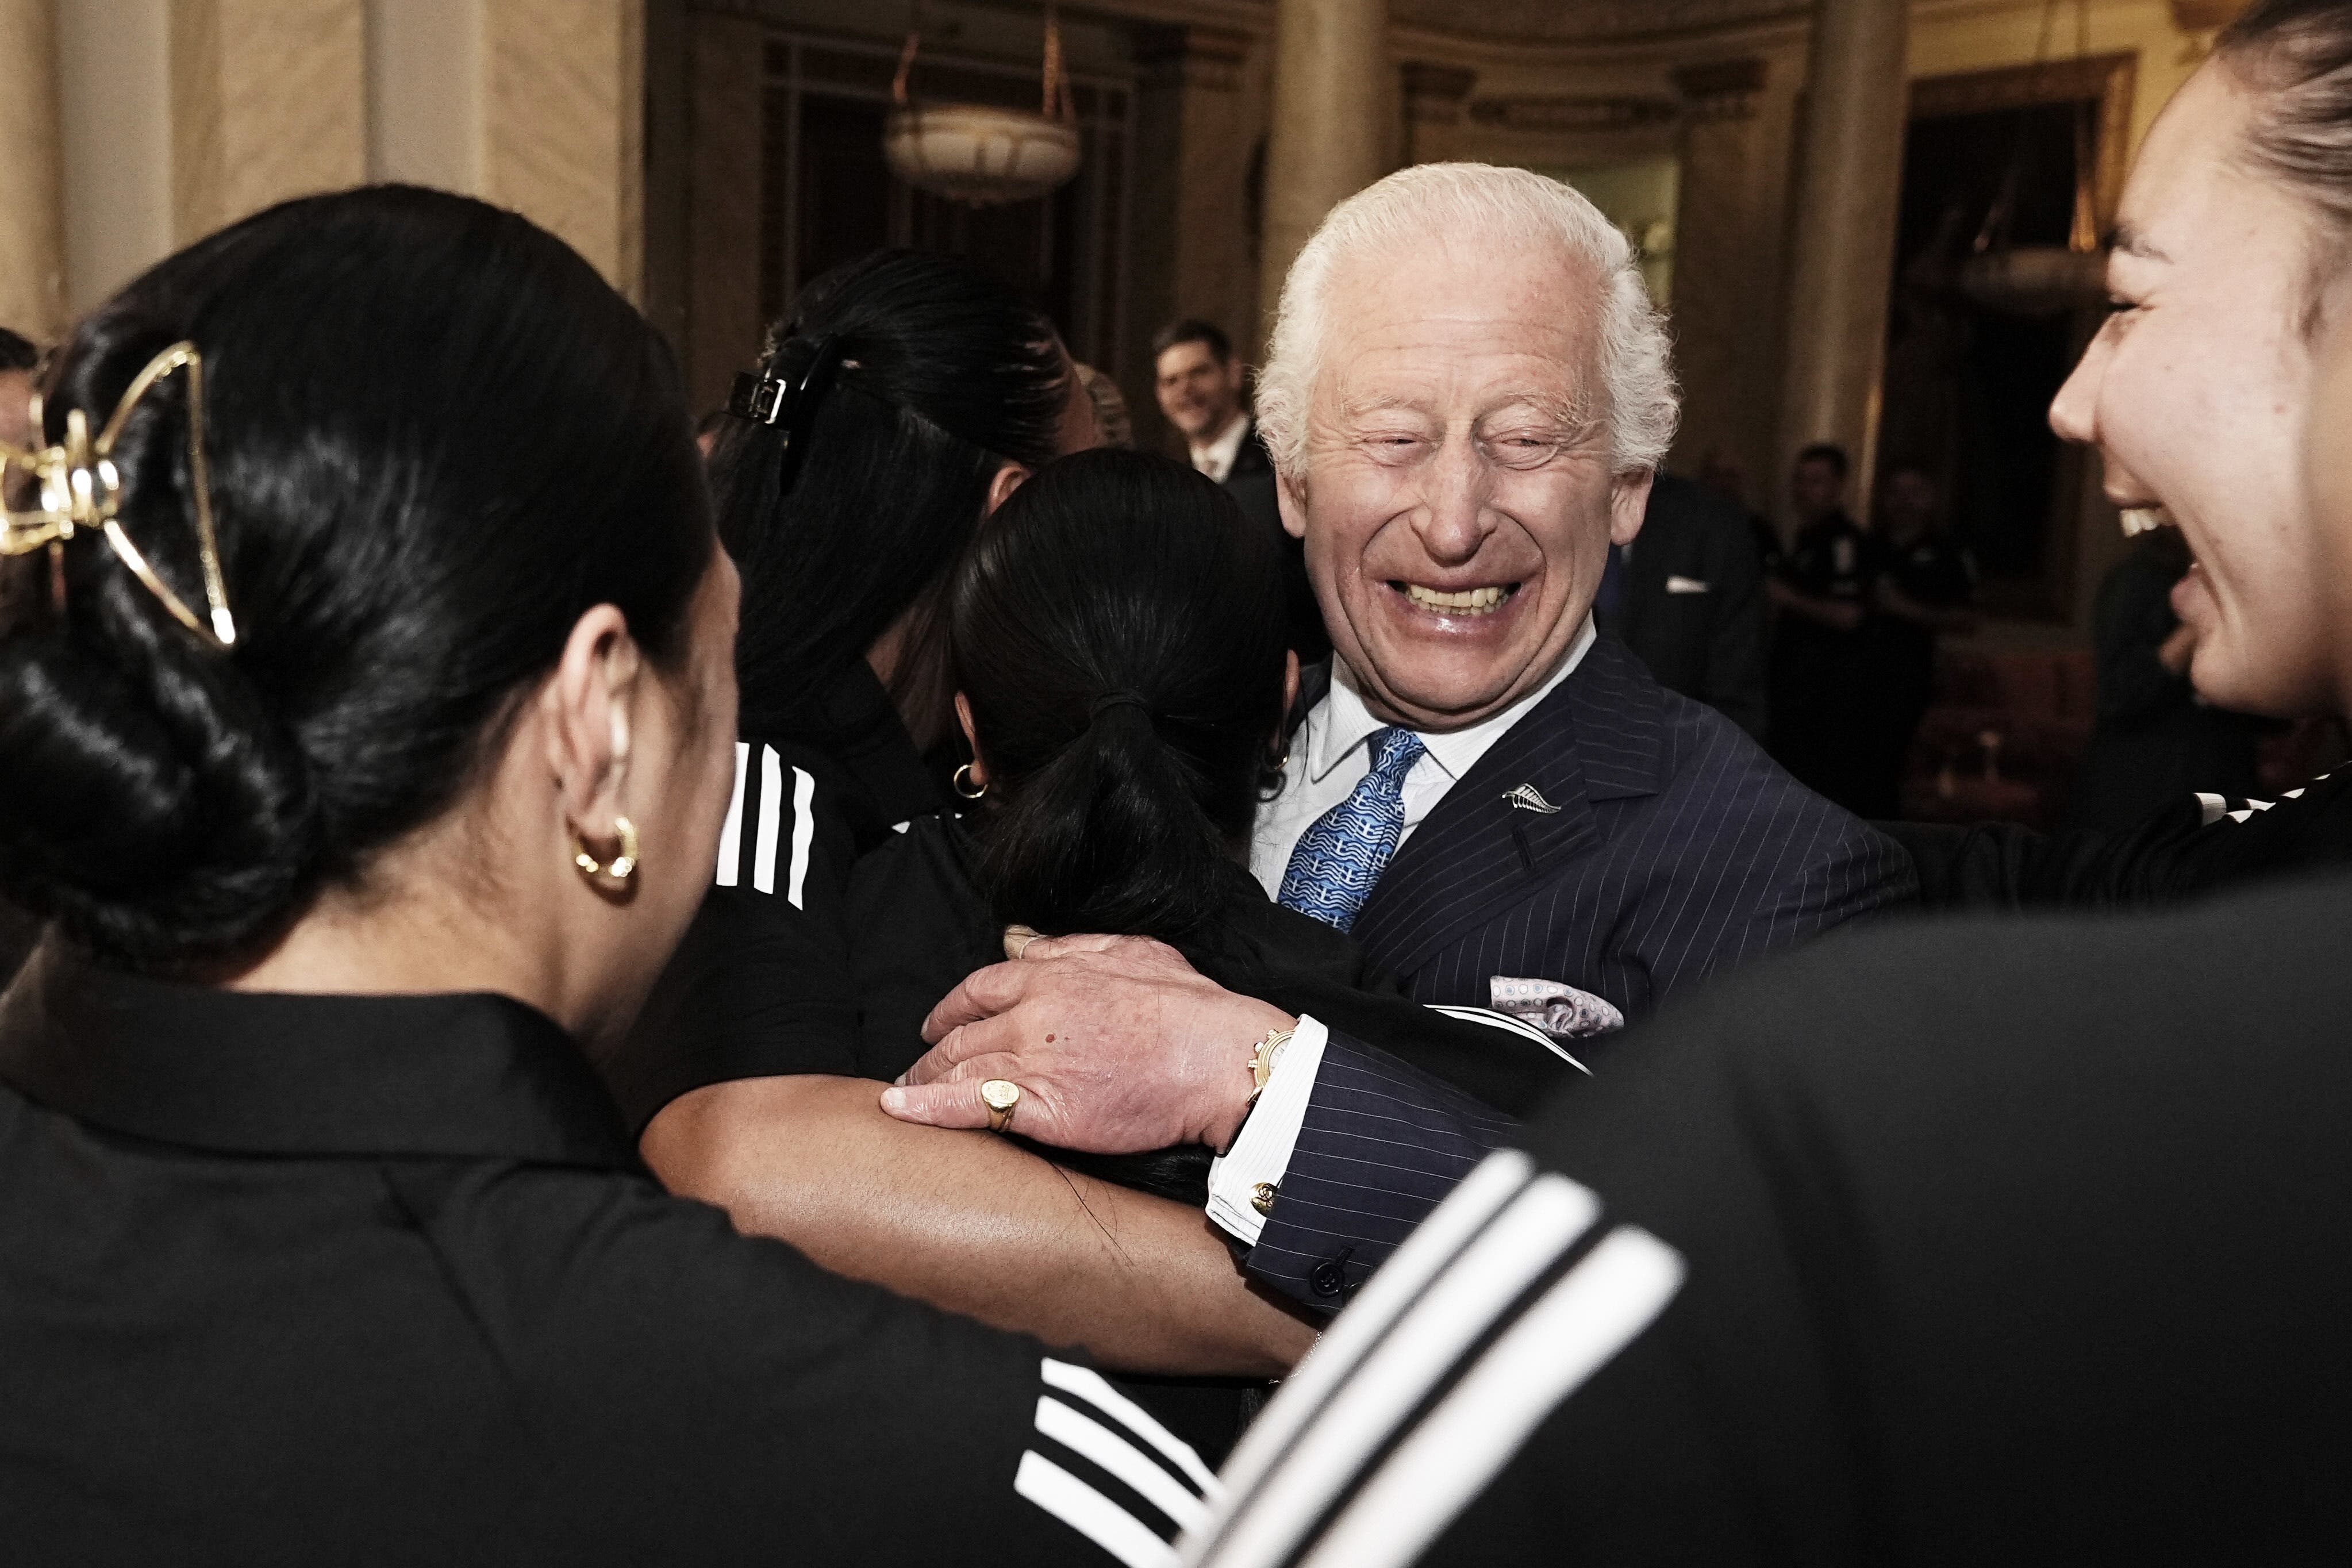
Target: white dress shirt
<point>1328,757</point>
<point>1216,458</point>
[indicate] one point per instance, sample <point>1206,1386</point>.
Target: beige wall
<point>171,118</point>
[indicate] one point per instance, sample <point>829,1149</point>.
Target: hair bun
<point>147,804</point>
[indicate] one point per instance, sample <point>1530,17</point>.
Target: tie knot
<point>1394,750</point>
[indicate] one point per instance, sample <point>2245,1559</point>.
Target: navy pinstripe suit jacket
<point>1678,849</point>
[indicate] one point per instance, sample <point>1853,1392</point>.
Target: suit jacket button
<point>1329,1278</point>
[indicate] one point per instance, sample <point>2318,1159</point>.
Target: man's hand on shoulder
<point>1117,1043</point>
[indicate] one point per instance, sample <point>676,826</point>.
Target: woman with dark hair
<point>901,403</point>
<point>2233,254</point>
<point>365,711</point>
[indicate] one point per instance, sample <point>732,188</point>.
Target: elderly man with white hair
<point>1466,397</point>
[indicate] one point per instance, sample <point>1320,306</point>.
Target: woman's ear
<point>589,706</point>
<point>1008,479</point>
<point>971,738</point>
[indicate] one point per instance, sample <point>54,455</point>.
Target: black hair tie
<point>1119,697</point>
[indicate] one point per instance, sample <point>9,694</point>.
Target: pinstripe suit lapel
<point>1596,737</point>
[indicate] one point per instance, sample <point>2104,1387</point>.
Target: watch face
<point>999,1095</point>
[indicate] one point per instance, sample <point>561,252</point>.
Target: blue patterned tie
<point>1339,858</point>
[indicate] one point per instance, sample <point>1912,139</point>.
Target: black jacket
<point>379,1280</point>
<point>2014,1241</point>
<point>1692,604</point>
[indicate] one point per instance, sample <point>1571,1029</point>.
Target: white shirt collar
<point>1342,723</point>
<point>1216,458</point>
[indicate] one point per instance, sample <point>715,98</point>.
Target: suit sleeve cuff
<point>1261,1153</point>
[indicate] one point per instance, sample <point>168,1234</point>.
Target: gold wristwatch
<point>1262,1059</point>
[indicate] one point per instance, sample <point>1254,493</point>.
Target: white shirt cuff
<point>1261,1153</point>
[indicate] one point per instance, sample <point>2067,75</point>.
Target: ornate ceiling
<point>1584,21</point>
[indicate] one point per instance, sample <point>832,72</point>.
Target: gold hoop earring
<point>624,865</point>
<point>964,785</point>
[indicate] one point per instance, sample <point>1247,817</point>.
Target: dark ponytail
<point>1117,630</point>
<point>936,376</point>
<point>435,437</point>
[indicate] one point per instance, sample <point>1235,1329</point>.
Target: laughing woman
<point>2232,257</point>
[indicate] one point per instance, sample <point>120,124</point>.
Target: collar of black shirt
<point>464,1076</point>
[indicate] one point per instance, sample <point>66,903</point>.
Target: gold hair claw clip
<point>80,490</point>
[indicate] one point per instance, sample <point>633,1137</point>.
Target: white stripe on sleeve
<point>772,801</point>
<point>1385,1297</point>
<point>1089,1385</point>
<point>1093,1441</point>
<point>730,838</point>
<point>1380,1396</point>
<point>1571,1331</point>
<point>803,831</point>
<point>1090,1513</point>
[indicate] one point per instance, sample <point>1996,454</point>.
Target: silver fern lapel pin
<point>1526,797</point>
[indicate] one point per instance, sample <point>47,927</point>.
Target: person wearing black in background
<point>902,401</point>
<point>1923,595</point>
<point>1688,596</point>
<point>368,766</point>
<point>1201,383</point>
<point>18,360</point>
<point>1822,664</point>
<point>1123,690</point>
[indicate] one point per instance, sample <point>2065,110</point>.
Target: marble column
<point>1844,237</point>
<point>268,102</point>
<point>1330,136</point>
<point>563,132</point>
<point>32,242</point>
<point>1728,256</point>
<point>1194,247</point>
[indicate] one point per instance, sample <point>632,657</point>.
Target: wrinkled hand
<point>1116,1043</point>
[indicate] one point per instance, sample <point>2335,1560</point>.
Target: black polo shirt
<point>763,984</point>
<point>378,1279</point>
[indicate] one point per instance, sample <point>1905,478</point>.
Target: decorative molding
<point>1530,112</point>
<point>1168,56</point>
<point>1720,90</point>
<point>2105,80</point>
<point>1434,94</point>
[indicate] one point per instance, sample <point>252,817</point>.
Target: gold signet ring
<point>1000,1096</point>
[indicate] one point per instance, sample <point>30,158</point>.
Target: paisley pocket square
<point>1561,1011</point>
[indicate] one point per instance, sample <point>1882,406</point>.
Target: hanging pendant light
<point>2043,279</point>
<point>979,154</point>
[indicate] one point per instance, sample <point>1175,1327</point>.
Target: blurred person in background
<point>1824,685</point>
<point>1922,596</point>
<point>1687,597</point>
<point>1203,385</point>
<point>1111,419</point>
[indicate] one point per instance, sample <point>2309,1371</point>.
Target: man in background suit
<point>1687,597</point>
<point>1466,398</point>
<point>1200,382</point>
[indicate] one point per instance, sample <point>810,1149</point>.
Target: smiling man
<point>1466,397</point>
